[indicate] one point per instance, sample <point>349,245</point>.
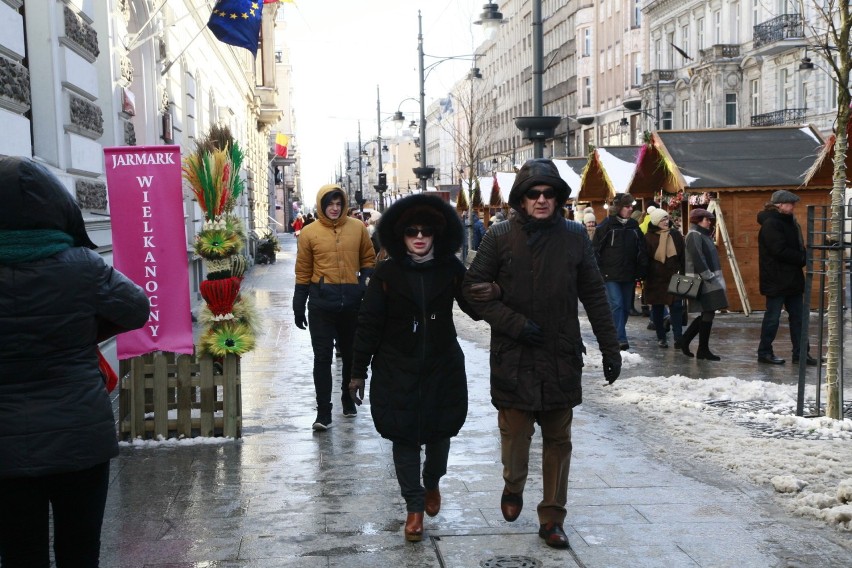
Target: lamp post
<point>536,128</point>
<point>382,184</point>
<point>423,172</point>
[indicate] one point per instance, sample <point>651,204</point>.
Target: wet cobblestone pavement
<point>286,496</point>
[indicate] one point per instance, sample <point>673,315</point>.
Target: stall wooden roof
<point>821,174</point>
<point>730,159</point>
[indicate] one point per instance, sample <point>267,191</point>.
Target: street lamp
<point>424,172</point>
<point>536,128</point>
<point>490,19</point>
<point>636,104</point>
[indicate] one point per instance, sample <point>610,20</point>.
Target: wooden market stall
<point>739,169</point>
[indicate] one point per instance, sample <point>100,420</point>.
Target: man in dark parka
<point>781,254</point>
<point>540,265</point>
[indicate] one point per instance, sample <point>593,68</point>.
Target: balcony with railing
<point>657,75</point>
<point>783,117</point>
<point>775,35</point>
<point>718,53</point>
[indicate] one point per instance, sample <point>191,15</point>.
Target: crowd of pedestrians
<point>393,318</point>
<point>381,291</point>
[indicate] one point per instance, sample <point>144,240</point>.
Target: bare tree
<point>471,136</point>
<point>829,36</point>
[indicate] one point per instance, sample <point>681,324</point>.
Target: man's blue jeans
<point>620,296</point>
<point>772,318</point>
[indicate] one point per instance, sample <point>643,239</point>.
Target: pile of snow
<point>750,429</point>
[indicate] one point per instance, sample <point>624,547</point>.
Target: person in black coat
<point>619,247</point>
<point>58,298</point>
<point>781,254</point>
<point>418,392</point>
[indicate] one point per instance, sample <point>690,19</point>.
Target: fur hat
<point>696,215</point>
<point>421,209</point>
<point>657,214</point>
<point>420,215</point>
<point>784,196</point>
<point>619,201</point>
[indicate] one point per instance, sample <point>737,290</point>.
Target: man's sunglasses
<point>414,231</point>
<point>534,194</point>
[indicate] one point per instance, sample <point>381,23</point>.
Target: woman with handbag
<point>702,259</point>
<point>666,252</point>
<point>57,430</point>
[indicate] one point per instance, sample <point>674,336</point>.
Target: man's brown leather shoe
<point>432,502</point>
<point>511,505</point>
<point>553,535</point>
<point>414,527</point>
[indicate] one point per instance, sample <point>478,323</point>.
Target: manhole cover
<point>511,562</point>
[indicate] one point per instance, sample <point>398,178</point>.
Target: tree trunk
<point>834,406</point>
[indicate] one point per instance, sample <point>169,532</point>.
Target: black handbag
<point>685,286</point>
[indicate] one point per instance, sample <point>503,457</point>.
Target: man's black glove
<point>300,300</point>
<point>531,334</point>
<point>301,320</point>
<point>611,368</point>
<point>356,390</point>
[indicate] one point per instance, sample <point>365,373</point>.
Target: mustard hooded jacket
<point>334,259</point>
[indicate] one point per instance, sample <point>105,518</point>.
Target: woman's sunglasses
<point>414,231</point>
<point>534,194</point>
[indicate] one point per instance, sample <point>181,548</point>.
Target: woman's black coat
<point>418,387</point>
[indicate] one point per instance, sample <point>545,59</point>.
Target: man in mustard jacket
<point>335,257</point>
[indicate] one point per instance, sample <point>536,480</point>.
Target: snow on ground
<point>750,429</point>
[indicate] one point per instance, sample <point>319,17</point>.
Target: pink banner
<point>149,243</point>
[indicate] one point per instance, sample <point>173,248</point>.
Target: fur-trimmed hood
<point>413,208</point>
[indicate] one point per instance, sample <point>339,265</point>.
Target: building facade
<point>616,69</point>
<point>83,75</point>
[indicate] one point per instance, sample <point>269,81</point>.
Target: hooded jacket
<point>334,259</point>
<point>543,267</point>
<point>781,253</point>
<point>55,414</point>
<point>418,388</point>
<point>620,250</point>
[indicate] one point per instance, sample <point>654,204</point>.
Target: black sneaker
<point>349,409</point>
<point>322,423</point>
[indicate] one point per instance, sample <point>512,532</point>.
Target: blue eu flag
<point>237,22</point>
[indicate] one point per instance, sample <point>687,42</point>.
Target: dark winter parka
<point>55,413</point>
<point>781,253</point>
<point>542,267</point>
<point>655,289</point>
<point>418,387</point>
<point>620,250</point>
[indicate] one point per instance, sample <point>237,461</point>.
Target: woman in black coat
<point>666,257</point>
<point>418,392</point>
<point>58,298</point>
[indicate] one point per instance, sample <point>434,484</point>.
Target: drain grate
<point>511,562</point>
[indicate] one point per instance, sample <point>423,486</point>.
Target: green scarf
<point>17,247</point>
